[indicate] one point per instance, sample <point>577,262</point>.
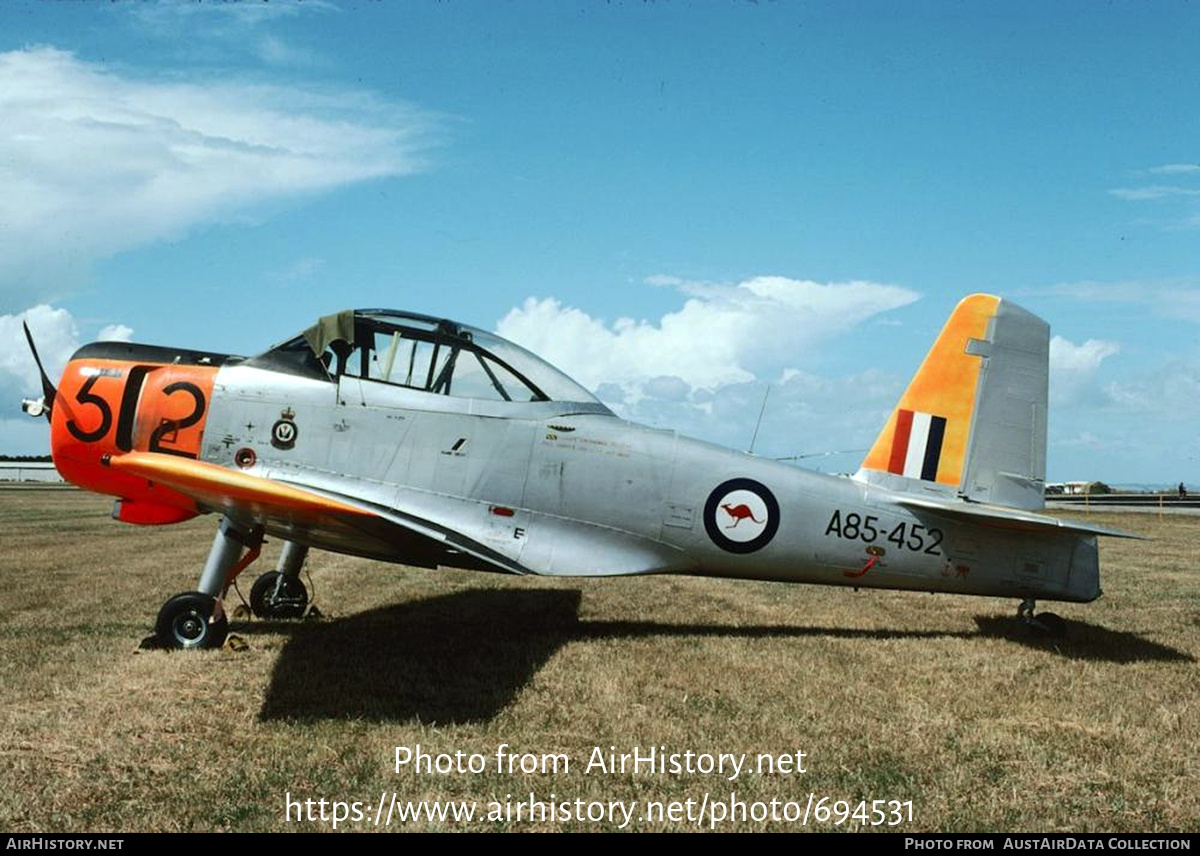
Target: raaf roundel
<point>741,515</point>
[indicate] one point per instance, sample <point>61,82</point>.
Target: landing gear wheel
<point>277,595</point>
<point>191,620</point>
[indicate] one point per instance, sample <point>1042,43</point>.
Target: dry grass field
<point>942,701</point>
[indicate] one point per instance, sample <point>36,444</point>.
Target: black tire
<point>186,621</point>
<point>289,602</point>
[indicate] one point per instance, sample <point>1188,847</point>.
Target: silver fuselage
<point>571,490</point>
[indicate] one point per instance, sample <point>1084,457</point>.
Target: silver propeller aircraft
<point>420,440</point>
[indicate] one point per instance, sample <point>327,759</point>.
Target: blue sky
<point>682,204</point>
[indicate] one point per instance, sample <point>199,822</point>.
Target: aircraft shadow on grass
<point>463,657</point>
<point>1084,641</point>
<point>454,658</point>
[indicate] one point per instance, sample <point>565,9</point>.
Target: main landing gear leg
<point>281,593</point>
<point>196,619</point>
<point>1044,622</point>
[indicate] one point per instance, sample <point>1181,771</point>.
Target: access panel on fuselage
<point>601,470</point>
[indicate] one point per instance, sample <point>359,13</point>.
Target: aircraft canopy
<point>421,352</point>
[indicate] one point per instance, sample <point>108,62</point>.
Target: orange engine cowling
<point>106,407</point>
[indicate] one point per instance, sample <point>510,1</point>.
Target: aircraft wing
<point>1001,517</point>
<point>298,510</point>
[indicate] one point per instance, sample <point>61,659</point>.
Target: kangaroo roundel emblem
<point>741,516</point>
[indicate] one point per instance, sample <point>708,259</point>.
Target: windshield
<point>556,385</point>
<point>429,354</point>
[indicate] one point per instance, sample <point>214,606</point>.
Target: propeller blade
<point>48,390</point>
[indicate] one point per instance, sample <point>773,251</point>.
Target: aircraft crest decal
<point>284,431</point>
<point>741,516</point>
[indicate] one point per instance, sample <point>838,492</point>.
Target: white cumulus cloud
<point>1066,356</point>
<point>1073,368</point>
<point>1171,393</point>
<point>705,367</point>
<point>722,335</point>
<point>54,332</point>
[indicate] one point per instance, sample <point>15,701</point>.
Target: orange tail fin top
<point>926,435</point>
<point>973,419</point>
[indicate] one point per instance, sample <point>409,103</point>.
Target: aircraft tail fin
<point>972,422</point>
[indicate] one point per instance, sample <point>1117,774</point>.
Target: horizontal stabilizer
<point>1000,517</point>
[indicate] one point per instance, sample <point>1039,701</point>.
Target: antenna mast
<point>761,411</point>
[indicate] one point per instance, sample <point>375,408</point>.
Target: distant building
<point>29,471</point>
<point>1077,488</point>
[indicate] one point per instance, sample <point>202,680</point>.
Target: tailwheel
<point>1051,624</point>
<point>1046,623</point>
<point>191,620</point>
<point>277,595</point>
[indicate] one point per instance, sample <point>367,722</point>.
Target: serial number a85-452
<point>907,536</point>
